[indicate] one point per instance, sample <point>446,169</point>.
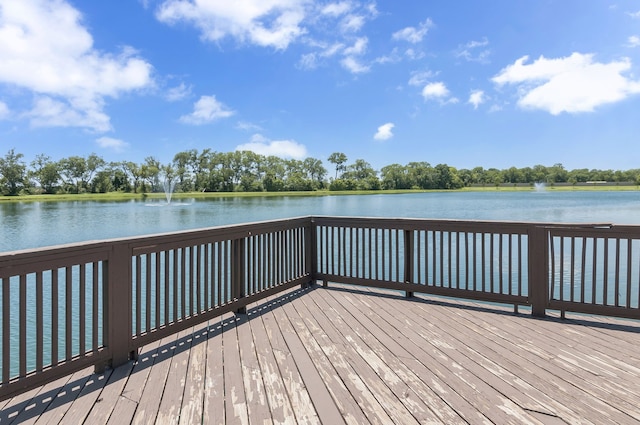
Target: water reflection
<point>36,224</point>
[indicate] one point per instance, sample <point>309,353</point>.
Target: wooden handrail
<point>111,297</point>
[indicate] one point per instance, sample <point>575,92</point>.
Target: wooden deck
<point>342,355</point>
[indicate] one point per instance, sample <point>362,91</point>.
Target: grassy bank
<point>120,196</point>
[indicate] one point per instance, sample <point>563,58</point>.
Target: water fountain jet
<point>168,185</point>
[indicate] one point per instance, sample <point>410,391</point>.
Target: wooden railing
<point>65,308</point>
<point>104,300</point>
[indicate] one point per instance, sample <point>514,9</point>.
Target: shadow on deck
<point>344,355</point>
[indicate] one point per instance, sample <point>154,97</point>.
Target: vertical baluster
<point>6,329</point>
<point>167,283</point>
<point>449,280</point>
<point>583,269</point>
<point>561,274</point>
<point>39,322</point>
<point>605,286</point>
<point>457,260</point>
<point>300,257</point>
<point>176,284</point>
<point>227,280</point>
<point>553,268</point>
<point>198,271</point>
<point>382,252</point>
<point>68,313</point>
<point>418,256</point>
<point>434,258</point>
<point>629,270</point>
<point>510,254</point>
<point>369,252</point>
<point>376,254</point>
<point>54,317</point>
<point>219,289</point>
<point>273,258</point>
<point>520,274</point>
<point>484,262</point>
<point>206,283</point>
<point>23,325</point>
<point>260,264</point>
<point>290,253</point>
<point>147,290</point>
<point>158,274</point>
<point>95,343</point>
<point>474,261</point>
<point>190,281</point>
<point>138,294</point>
<point>573,270</point>
<point>183,283</point>
<point>594,268</point>
<point>467,264</point>
<point>397,279</point>
<point>500,264</point>
<point>83,306</point>
<point>617,275</point>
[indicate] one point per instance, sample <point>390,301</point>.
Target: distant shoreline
<point>119,196</point>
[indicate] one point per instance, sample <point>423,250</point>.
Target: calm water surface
<point>37,224</point>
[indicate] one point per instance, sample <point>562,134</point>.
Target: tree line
<point>246,171</point>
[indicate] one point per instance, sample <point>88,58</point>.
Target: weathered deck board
<point>345,355</point>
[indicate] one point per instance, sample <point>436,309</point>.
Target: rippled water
<point>36,224</point>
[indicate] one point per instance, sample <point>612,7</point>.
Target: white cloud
<point>393,57</point>
<point>420,78</point>
<point>384,131</point>
<point>476,98</point>
<point>4,110</point>
<point>207,109</point>
<point>413,55</point>
<point>336,9</point>
<point>280,148</point>
<point>73,78</point>
<point>308,61</point>
<point>634,41</point>
<point>270,23</point>
<point>438,91</point>
<point>178,93</point>
<point>413,34</point>
<point>359,47</point>
<point>351,62</point>
<point>247,126</point>
<point>352,23</point>
<point>116,145</point>
<point>634,15</point>
<point>474,51</point>
<point>86,113</point>
<point>354,66</point>
<point>570,84</point>
<point>332,49</point>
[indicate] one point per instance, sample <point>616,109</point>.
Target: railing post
<point>538,271</point>
<point>237,272</point>
<point>408,259</point>
<point>118,308</point>
<point>311,250</point>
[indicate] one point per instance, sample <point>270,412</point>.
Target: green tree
<point>150,173</point>
<point>395,176</point>
<point>338,158</point>
<point>315,171</point>
<point>45,172</point>
<point>73,171</point>
<point>13,173</point>
<point>421,175</point>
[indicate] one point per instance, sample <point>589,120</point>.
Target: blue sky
<point>495,84</point>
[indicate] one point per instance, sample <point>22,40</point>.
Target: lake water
<point>37,224</point>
